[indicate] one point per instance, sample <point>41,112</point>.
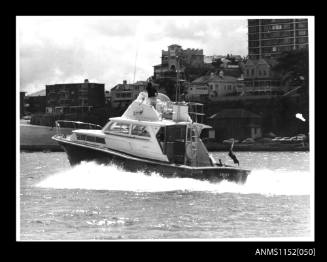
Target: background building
<point>123,94</point>
<point>212,87</point>
<point>107,95</point>
<point>35,102</point>
<point>211,58</point>
<point>22,103</point>
<point>73,98</point>
<point>222,85</point>
<point>271,37</point>
<point>198,90</point>
<point>236,123</point>
<point>260,79</point>
<point>178,58</point>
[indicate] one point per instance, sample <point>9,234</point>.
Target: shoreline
<point>38,138</point>
<point>273,147</point>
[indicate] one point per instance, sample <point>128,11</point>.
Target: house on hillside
<point>260,79</point>
<point>212,87</point>
<point>177,58</point>
<point>198,90</point>
<point>222,85</point>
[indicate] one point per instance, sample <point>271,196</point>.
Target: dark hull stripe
<point>77,153</point>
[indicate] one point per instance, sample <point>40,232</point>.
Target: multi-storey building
<point>177,58</point>
<point>107,97</point>
<point>35,102</point>
<point>123,94</point>
<point>81,97</point>
<point>271,37</point>
<point>259,78</point>
<point>21,100</point>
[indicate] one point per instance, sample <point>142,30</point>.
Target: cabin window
<point>139,130</point>
<point>100,140</point>
<point>90,138</point>
<point>175,133</point>
<point>80,137</point>
<point>119,128</point>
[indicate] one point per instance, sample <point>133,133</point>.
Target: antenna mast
<point>135,67</point>
<point>177,80</point>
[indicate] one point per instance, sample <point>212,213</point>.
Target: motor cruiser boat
<point>151,136</point>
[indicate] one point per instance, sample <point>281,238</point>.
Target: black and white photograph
<point>165,128</point>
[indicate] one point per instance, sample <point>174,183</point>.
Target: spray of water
<point>92,176</point>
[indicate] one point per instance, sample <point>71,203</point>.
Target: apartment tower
<point>270,37</point>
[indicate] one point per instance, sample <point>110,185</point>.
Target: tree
<point>294,67</point>
<point>192,73</point>
<point>169,85</point>
<point>217,63</point>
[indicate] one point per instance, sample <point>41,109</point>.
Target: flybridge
<point>142,110</point>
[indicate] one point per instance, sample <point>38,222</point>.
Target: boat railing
<point>196,112</point>
<point>164,106</point>
<point>71,125</point>
<point>165,109</point>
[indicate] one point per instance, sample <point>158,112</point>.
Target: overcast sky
<point>103,49</point>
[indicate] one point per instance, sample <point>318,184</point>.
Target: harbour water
<point>97,202</point>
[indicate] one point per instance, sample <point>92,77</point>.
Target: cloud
<point>186,29</point>
<point>107,49</point>
<point>113,28</point>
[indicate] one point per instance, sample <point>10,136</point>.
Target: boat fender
<point>189,152</point>
<point>213,161</point>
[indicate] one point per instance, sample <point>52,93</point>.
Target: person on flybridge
<point>152,93</point>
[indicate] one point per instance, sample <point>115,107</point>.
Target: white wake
<point>92,176</point>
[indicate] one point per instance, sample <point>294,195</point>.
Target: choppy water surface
<point>97,202</point>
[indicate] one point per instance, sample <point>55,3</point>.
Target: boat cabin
<point>164,132</point>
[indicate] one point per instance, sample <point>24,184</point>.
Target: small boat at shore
<point>161,137</point>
